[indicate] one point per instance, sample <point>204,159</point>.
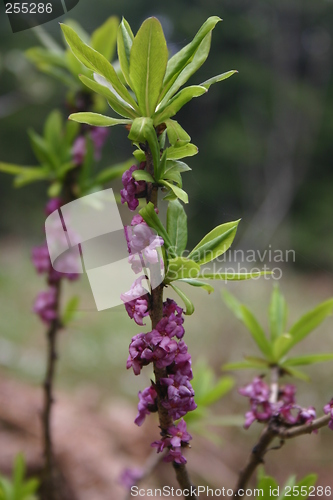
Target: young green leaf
<point>220,389</point>
<point>277,313</point>
<point>142,175</point>
<point>256,331</point>
<point>246,365</point>
<point>198,283</point>
<point>118,106</point>
<point>233,304</point>
<point>177,153</point>
<point>215,243</point>
<point>142,130</point>
<point>181,267</point>
<point>97,62</point>
<point>293,372</point>
<point>177,226</point>
<point>70,310</point>
<point>233,276</point>
<point>188,303</point>
<point>125,39</point>
<point>149,215</point>
<point>182,58</point>
<point>97,120</point>
<point>308,481</point>
<point>311,320</point>
<point>177,102</point>
<point>148,60</point>
<point>267,484</point>
<point>281,346</point>
<point>42,150</point>
<point>176,134</point>
<point>197,61</point>
<point>180,193</point>
<point>53,131</point>
<point>308,359</point>
<point>104,38</point>
<point>218,78</point>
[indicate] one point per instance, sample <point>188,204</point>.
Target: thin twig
<point>48,475</point>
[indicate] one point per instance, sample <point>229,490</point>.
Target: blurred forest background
<point>265,155</point>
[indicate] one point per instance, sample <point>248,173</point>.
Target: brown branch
<point>272,431</point>
<point>156,315</point>
<point>48,488</point>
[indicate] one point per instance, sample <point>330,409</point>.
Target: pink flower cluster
<point>285,408</point>
<point>132,189</point>
<point>328,410</point>
<point>98,136</point>
<point>160,346</point>
<point>46,302</point>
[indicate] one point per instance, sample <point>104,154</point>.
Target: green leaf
<point>175,165</point>
<point>309,480</point>
<point>215,243</point>
<point>98,63</point>
<point>188,304</point>
<point>104,38</point>
<point>223,386</point>
<point>142,130</point>
<point>245,365</point>
<point>218,78</point>
<point>176,134</point>
<point>311,320</point>
<point>293,372</point>
<point>277,313</point>
<point>54,189</point>
<point>182,58</point>
<point>118,106</point>
<point>42,150</point>
<point>233,304</point>
<point>181,267</point>
<point>256,331</point>
<point>308,359</point>
<point>139,155</point>
<point>177,153</point>
<point>11,168</point>
<point>70,310</point>
<point>233,276</point>
<point>19,472</point>
<point>197,283</point>
<point>149,215</point>
<point>177,226</point>
<point>180,193</point>
<point>97,120</point>
<point>197,61</point>
<point>142,175</point>
<point>281,346</point>
<point>124,45</point>
<point>267,484</point>
<point>28,177</point>
<point>53,132</point>
<point>111,173</point>
<point>177,102</point>
<point>148,61</point>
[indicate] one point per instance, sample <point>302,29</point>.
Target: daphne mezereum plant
<point>146,95</point>
<point>66,154</point>
<point>272,404</point>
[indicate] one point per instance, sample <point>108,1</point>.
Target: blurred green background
<point>265,155</point>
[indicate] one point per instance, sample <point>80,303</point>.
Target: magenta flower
<point>328,410</point>
<point>132,188</point>
<point>179,434</point>
<point>79,150</point>
<point>52,205</point>
<point>137,309</point>
<point>98,136</point>
<point>147,404</point>
<point>175,455</point>
<point>45,305</point>
<point>130,477</point>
